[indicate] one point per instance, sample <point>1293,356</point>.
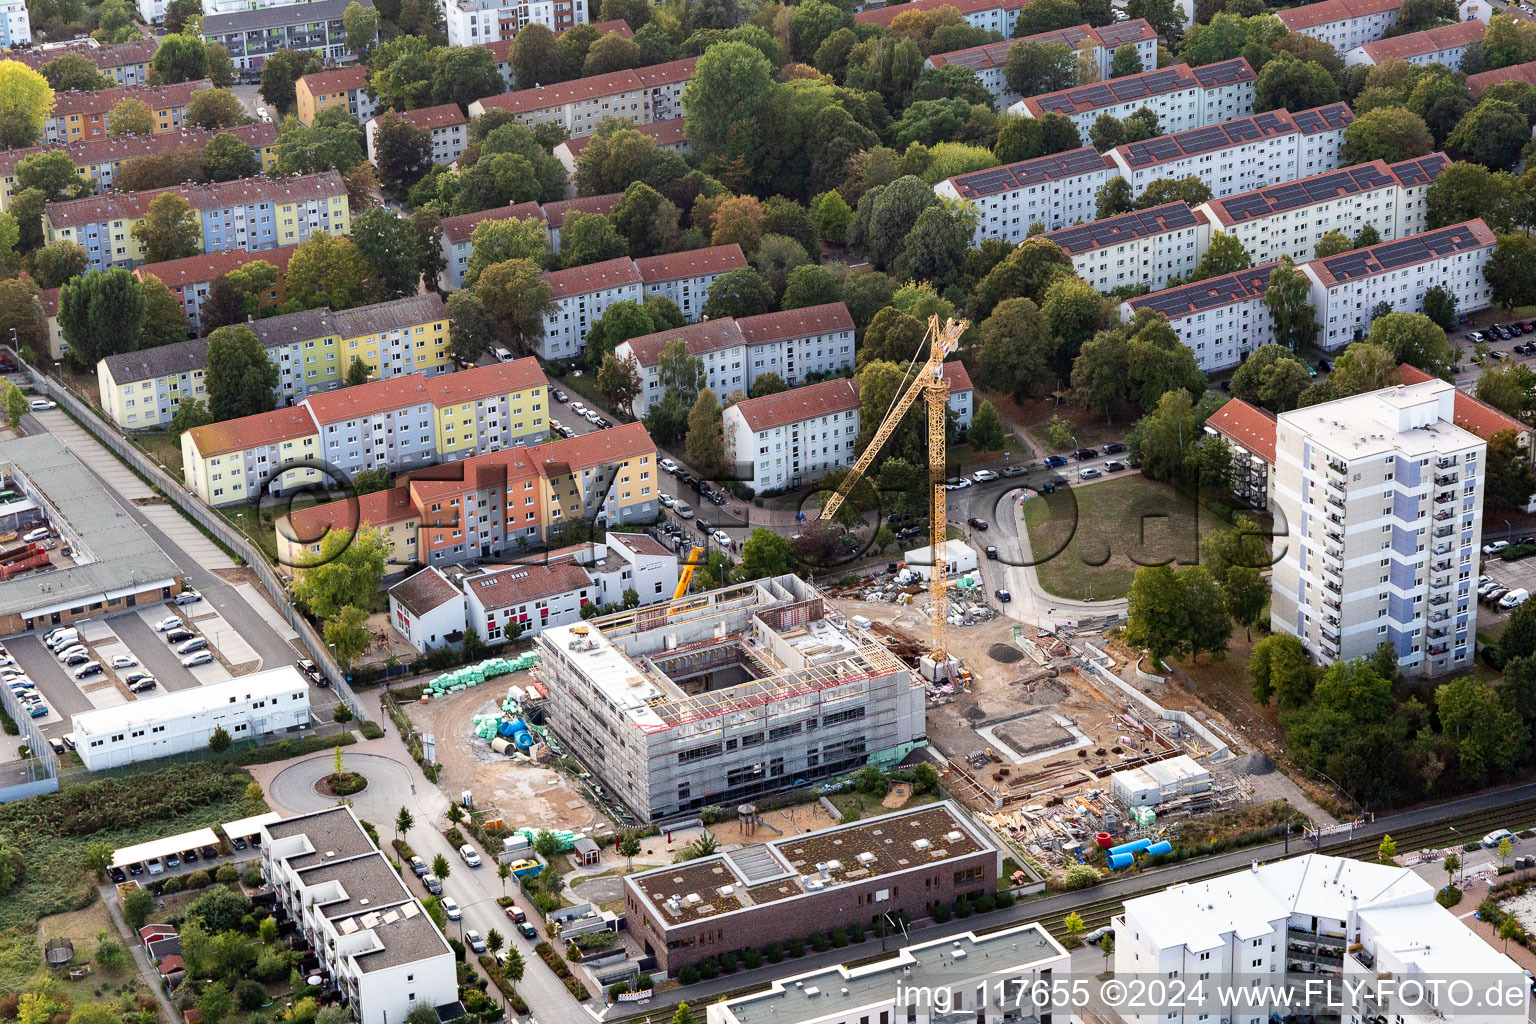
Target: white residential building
<point>1444,45</point>
<point>457,233</point>
<point>996,15</point>
<point>476,22</point>
<point>15,24</point>
<point>794,344</point>
<point>960,973</point>
<point>1343,24</point>
<point>1250,431</point>
<point>246,707</point>
<point>641,95</point>
<point>427,610</point>
<point>685,277</point>
<point>1242,154</point>
<point>1291,218</point>
<point>1141,247</point>
<point>988,60</point>
<point>581,295</point>
<point>378,944</point>
<point>784,441</point>
<point>1182,97</point>
<point>1054,191</point>
<point>446,125</point>
<point>1346,287</point>
<point>1383,494</point>
<point>1314,916</point>
<point>1221,319</point>
<point>525,599</point>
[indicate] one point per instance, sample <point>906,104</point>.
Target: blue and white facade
<point>15,24</point>
<point>1382,497</point>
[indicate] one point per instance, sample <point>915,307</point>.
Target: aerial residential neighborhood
<point>767,511</point>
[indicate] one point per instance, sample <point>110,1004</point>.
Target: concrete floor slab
<point>224,638</point>
<point>105,695</point>
<point>187,537</point>
<point>251,596</point>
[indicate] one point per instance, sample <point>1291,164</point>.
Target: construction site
<point>725,696</point>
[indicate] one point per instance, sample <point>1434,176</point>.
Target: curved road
<point>397,782</point>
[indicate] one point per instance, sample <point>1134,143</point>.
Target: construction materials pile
<point>474,675</point>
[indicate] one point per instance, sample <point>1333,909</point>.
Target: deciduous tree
<point>241,378</point>
<point>517,298</point>
<point>327,271</point>
<point>99,315</point>
<point>26,100</point>
<point>131,116</point>
<point>1286,297</point>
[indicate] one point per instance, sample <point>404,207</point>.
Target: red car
<point>516,914</point>
<point>976,524</point>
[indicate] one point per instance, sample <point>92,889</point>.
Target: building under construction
<point>719,697</point>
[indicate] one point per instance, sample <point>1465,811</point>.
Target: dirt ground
<point>1223,687</point>
<point>524,793</point>
<point>81,926</point>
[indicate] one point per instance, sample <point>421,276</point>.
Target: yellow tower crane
<point>930,382</point>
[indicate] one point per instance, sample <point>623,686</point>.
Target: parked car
<point>189,857</point>
<point>1497,836</point>
<point>118,875</point>
<point>194,660</point>
<point>722,538</point>
<point>78,658</point>
<point>668,465</point>
<point>991,553</point>
<point>133,677</point>
<point>237,843</point>
<point>71,651</point>
<point>43,405</point>
<point>187,597</point>
<point>1514,599</point>
<point>1493,595</point>
<point>1114,448</point>
<point>475,940</point>
<point>433,884</point>
<point>591,416</point>
<point>956,483</point>
<point>419,867</point>
<point>1495,547</point>
<point>451,908</point>
<point>124,661</point>
<point>561,396</point>
<point>501,354</point>
<point>1090,474</point>
<point>579,408</point>
<point>197,643</point>
<point>705,526</point>
<point>168,623</point>
<point>982,476</point>
<point>976,524</point>
<point>1055,461</point>
<point>603,423</point>
<point>528,932</point>
<point>177,636</point>
<point>155,866</point>
<point>1113,466</point>
<point>1003,595</point>
<point>308,668</point>
<point>142,685</point>
<point>516,914</point>
<point>667,501</point>
<point>1013,471</point>
<point>1324,365</point>
<point>90,668</point>
<point>470,854</point>
<point>1084,454</point>
<point>683,509</point>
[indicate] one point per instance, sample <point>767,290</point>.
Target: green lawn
<point>1090,540</point>
<point>163,447</point>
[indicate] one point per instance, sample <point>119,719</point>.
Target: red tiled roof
<point>524,583</point>
<point>802,403</point>
<point>1471,414</point>
<point>639,543</point>
<point>49,297</point>
<point>704,336</point>
<point>1514,73</point>
<point>114,55</point>
<point>677,266</point>
<point>556,212</point>
<point>616,444</point>
<point>338,80</point>
<point>1299,19</point>
<point>424,591</point>
<point>478,472</point>
<point>377,396</point>
<point>458,229</point>
<point>618,25</point>
<point>959,377</point>
<point>1247,425</point>
<point>886,15</point>
<point>582,89</point>
<point>159,97</point>
<point>1431,40</point>
<point>215,195</point>
<point>795,323</point>
<point>666,133</point>
<point>252,431</point>
<point>113,149</point>
<point>592,277</point>
<point>485,381</point>
<point>194,270</point>
<point>381,508</point>
<point>444,115</point>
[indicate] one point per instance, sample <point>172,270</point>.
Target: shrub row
<point>499,979</point>
<point>372,730</point>
<point>1515,552</point>
<point>282,750</point>
<point>410,735</point>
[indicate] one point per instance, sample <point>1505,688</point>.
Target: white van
<point>1514,599</point>
<point>33,536</point>
<point>501,354</point>
<point>60,639</point>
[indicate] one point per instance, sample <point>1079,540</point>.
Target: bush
<point>773,952</point>
<point>455,837</point>
<point>342,714</point>
<point>250,994</point>
<point>172,885</point>
<point>795,947</point>
<point>940,914</point>
<point>709,970</point>
<point>252,879</point>
<point>198,880</point>
<point>372,730</point>
<point>820,943</point>
<point>1005,900</point>
<point>962,908</point>
<point>984,903</point>
<point>687,974</point>
<point>1471,847</point>
<point>227,873</point>
<point>839,938</point>
<point>1448,897</point>
<point>1515,552</point>
<point>856,933</point>
<point>1081,876</point>
<point>728,963</point>
<point>458,949</point>
<point>752,959</point>
<point>1505,869</point>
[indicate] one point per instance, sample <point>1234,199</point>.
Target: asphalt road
<point>57,688</point>
<point>154,654</point>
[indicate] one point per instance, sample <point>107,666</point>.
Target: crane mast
<point>934,387</point>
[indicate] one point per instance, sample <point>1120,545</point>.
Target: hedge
<point>1515,552</point>
<point>498,977</point>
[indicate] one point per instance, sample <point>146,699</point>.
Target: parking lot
<point>1514,575</point>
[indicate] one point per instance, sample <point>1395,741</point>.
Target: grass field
<point>1090,540</point>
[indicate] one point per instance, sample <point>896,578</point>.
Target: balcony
<point>1436,602</point>
<point>1337,467</point>
<point>1441,499</point>
<point>1338,502</point>
<point>1442,566</point>
<point>1444,463</point>
<point>1445,479</point>
<point>1332,602</point>
<point>1439,633</point>
<point>1439,616</point>
<point>1439,652</point>
<point>1441,517</point>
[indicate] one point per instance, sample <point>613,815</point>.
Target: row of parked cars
<point>22,688</point>
<point>189,646</point>
<point>1494,594</point>
<point>1501,332</point>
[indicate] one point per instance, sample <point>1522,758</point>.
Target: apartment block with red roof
<point>339,88</point>
<point>399,423</point>
<point>795,344</point>
<point>445,125</point>
<point>641,96</point>
<point>668,135</point>
<point>457,233</point>
<point>1346,287</point>
<point>996,15</point>
<point>190,278</point>
<point>1250,431</point>
<point>555,213</point>
<point>497,504</point>
<point>1446,45</point>
<point>1343,24</point>
<point>127,63</point>
<point>987,61</point>
<point>581,295</point>
<point>83,115</point>
<point>685,277</point>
